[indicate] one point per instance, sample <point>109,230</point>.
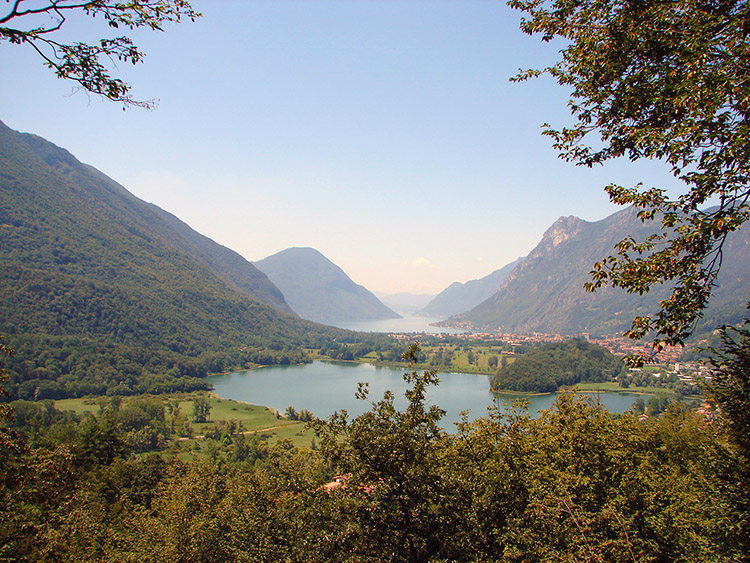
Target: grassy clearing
<point>83,405</point>
<point>254,418</point>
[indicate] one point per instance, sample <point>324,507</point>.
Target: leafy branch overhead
<point>667,81</point>
<point>35,23</point>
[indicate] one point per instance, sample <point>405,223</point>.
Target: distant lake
<point>324,387</point>
<point>408,323</point>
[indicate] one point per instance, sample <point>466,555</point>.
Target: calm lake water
<point>408,323</point>
<point>324,387</point>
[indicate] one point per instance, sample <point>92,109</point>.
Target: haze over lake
<point>325,387</point>
<point>408,324</point>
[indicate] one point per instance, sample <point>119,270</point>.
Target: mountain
<point>318,290</point>
<point>225,263</point>
<point>461,297</point>
<point>100,291</point>
<point>406,302</point>
<point>544,293</point>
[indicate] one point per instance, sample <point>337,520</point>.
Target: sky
<point>385,134</point>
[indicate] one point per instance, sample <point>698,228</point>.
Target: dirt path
<point>246,432</point>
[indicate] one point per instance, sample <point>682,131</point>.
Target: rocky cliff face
<point>565,228</point>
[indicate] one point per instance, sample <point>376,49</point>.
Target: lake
<point>406,324</point>
<point>324,387</point>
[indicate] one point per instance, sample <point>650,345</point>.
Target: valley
<point>106,294</point>
<point>334,299</point>
<point>154,367</point>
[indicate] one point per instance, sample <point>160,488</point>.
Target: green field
<point>255,419</point>
<point>81,406</point>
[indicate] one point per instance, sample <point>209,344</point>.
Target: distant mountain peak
<point>319,290</point>
<point>460,297</point>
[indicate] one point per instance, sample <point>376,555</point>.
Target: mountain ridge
<point>228,264</point>
<point>461,297</point>
<point>544,293</point>
<point>405,302</point>
<point>85,267</point>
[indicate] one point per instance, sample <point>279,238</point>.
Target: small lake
<point>324,387</point>
<point>406,324</point>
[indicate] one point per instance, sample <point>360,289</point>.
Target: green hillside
<point>101,292</point>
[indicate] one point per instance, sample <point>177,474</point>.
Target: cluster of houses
<point>668,359</point>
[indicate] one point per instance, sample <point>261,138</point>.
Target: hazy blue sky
<point>384,134</point>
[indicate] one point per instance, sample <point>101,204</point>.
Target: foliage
<point>730,382</point>
<point>9,439</point>
<point>729,389</point>
<point>6,411</point>
<point>574,484</point>
<point>666,81</point>
<point>201,409</point>
<point>88,63</point>
<point>303,415</point>
<point>548,367</point>
<point>389,459</point>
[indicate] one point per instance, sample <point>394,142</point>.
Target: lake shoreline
<point>582,388</point>
<point>577,388</point>
<point>326,386</point>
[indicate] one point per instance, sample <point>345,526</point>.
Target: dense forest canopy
<point>574,484</point>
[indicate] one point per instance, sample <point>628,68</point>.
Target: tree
<point>392,462</point>
<point>201,409</point>
<point>730,383</point>
<point>99,439</point>
<point>730,389</point>
<point>492,362</point>
<point>667,81</point>
<point>35,24</point>
<point>9,440</point>
<point>6,411</point>
<point>305,415</point>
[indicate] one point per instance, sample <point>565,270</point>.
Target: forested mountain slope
<point>99,289</point>
<point>461,297</point>
<point>545,292</point>
<point>318,290</point>
<point>222,261</point>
